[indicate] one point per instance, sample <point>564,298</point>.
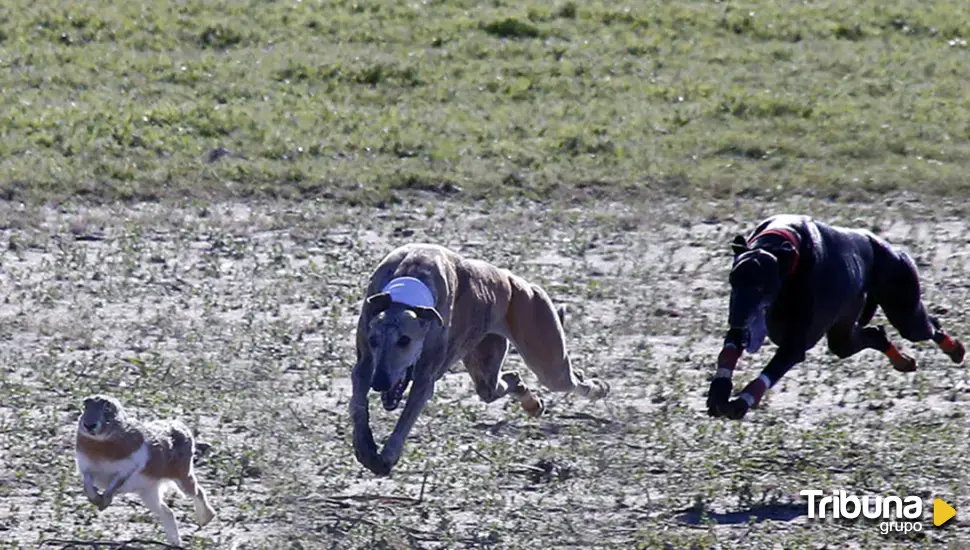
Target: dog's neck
<point>410,292</point>
<point>786,233</point>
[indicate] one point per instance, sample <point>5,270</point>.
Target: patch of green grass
<point>365,100</point>
<point>512,28</point>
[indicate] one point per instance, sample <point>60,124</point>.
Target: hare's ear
<point>739,245</point>
<point>377,303</point>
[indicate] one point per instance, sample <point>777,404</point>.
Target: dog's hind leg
<point>484,364</point>
<point>535,328</point>
<point>845,341</point>
<point>848,337</point>
<point>952,347</point>
<point>899,297</point>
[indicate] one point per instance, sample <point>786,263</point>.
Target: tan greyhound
<point>425,308</point>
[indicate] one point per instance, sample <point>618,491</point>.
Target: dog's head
<point>101,416</point>
<point>395,335</point>
<point>756,279</point>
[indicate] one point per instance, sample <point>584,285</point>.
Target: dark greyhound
<point>795,280</point>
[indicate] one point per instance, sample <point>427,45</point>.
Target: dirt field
<point>238,318</point>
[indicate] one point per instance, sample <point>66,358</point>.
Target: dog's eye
<point>403,341</point>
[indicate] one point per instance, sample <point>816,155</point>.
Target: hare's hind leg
<point>152,498</point>
<point>191,487</point>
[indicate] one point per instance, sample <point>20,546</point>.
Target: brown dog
<point>426,307</point>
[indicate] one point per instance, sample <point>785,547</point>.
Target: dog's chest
<point>103,470</point>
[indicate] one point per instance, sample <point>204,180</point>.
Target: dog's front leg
<point>421,392</point>
<point>364,446</point>
<point>784,359</point>
<point>720,391</point>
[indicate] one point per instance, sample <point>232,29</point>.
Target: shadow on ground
<point>758,514</point>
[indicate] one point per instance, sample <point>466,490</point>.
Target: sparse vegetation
<point>255,305</point>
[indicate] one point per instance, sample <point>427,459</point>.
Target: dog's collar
<point>786,233</point>
<point>410,292</point>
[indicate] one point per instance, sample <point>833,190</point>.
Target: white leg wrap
<point>748,398</point>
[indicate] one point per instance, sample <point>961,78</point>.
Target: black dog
<point>795,280</point>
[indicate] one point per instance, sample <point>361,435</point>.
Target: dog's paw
<point>204,515</point>
<point>718,396</point>
<point>600,389</point>
<point>904,363</point>
<point>369,458</point>
<point>736,409</point>
<point>103,502</point>
<point>379,466</point>
<point>957,352</point>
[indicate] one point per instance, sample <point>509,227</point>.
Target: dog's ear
<point>786,255</point>
<point>378,303</point>
<point>739,245</point>
<point>428,314</point>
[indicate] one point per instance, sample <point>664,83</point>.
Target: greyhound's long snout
<point>745,307</point>
<point>381,381</point>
